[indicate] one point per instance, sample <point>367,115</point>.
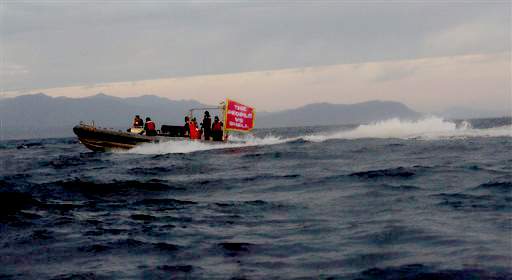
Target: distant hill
<point>41,116</point>
<point>331,114</point>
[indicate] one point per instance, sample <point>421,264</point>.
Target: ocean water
<point>430,199</point>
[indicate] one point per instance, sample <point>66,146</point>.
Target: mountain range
<point>332,114</point>
<point>42,116</point>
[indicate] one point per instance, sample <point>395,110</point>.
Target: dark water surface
<point>392,200</point>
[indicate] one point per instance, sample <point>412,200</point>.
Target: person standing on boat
<point>217,129</point>
<point>186,127</point>
<point>150,127</point>
<point>206,126</point>
<point>138,122</point>
<point>194,131</point>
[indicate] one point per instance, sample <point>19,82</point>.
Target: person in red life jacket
<point>138,122</point>
<point>150,127</point>
<point>194,131</point>
<point>217,129</point>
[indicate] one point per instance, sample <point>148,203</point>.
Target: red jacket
<point>150,125</point>
<point>217,126</point>
<point>137,123</point>
<point>194,132</point>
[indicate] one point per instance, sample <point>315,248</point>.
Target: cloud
<point>78,43</point>
<point>12,69</point>
<point>426,84</point>
<point>474,36</point>
<point>98,86</point>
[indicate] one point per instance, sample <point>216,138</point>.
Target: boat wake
<point>186,146</point>
<point>431,128</point>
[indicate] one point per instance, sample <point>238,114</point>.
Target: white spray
<point>430,128</point>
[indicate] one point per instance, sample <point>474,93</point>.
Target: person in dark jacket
<point>150,127</point>
<point>206,125</point>
<point>217,129</point>
<point>186,127</point>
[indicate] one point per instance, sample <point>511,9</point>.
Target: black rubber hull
<point>100,140</point>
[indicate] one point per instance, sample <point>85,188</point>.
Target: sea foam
<point>187,146</point>
<point>430,128</point>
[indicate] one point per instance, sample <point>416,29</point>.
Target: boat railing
<point>221,108</point>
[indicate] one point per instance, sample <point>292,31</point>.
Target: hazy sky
<point>274,55</point>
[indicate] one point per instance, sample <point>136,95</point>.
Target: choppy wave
<point>359,204</point>
<point>431,128</point>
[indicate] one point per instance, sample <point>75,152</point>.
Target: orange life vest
<point>194,133</point>
<point>137,122</point>
<point>150,125</point>
<point>217,126</point>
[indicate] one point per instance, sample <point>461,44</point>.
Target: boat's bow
<point>100,139</point>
